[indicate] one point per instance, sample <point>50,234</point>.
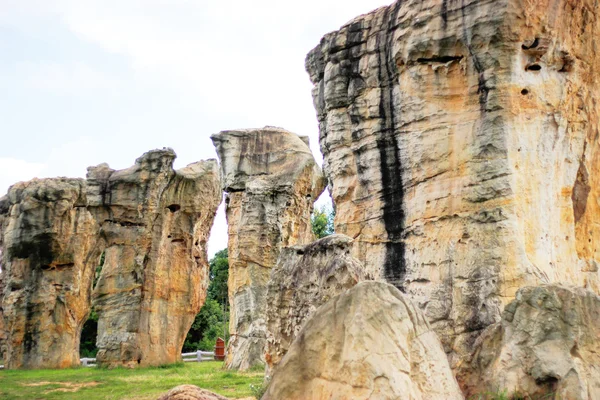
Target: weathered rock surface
<point>305,278</point>
<point>459,139</point>
<point>155,223</point>
<point>370,342</point>
<point>190,392</point>
<point>547,344</point>
<point>271,180</point>
<point>50,250</point>
<point>3,335</point>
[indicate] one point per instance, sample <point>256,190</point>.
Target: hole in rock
<point>534,67</point>
<point>533,45</point>
<point>524,92</point>
<point>174,207</point>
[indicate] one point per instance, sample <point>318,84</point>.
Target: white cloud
<point>13,170</point>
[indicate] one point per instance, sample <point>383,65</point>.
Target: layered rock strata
<point>460,140</point>
<point>155,223</point>
<point>271,181</point>
<point>135,237</point>
<point>369,342</point>
<point>546,346</point>
<point>50,250</point>
<point>305,278</point>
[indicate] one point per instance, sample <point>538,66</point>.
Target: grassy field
<point>132,384</point>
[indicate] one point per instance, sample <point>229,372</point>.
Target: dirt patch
<point>66,386</point>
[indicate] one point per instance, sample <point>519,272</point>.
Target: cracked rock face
<point>545,345</point>
<point>305,278</point>
<point>369,342</point>
<point>50,250</point>
<point>155,223</point>
<point>3,335</point>
<point>132,242</point>
<point>459,139</point>
<point>271,181</point>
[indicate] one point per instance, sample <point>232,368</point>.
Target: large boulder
<point>546,346</point>
<point>369,342</point>
<point>460,140</point>
<point>271,180</point>
<point>155,224</point>
<point>305,278</point>
<point>50,250</point>
<point>190,392</point>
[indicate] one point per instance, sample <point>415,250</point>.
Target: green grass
<point>130,384</point>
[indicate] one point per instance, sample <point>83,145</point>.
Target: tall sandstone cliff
<point>133,242</point>
<point>271,180</point>
<point>460,140</point>
<point>155,223</point>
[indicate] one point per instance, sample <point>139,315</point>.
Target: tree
<point>322,221</point>
<point>213,319</point>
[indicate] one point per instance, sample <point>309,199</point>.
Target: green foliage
<point>322,221</point>
<point>89,332</point>
<point>213,320</point>
<point>123,383</point>
<point>258,391</point>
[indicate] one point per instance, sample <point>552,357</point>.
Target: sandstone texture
<point>190,392</point>
<point>305,278</point>
<point>3,335</point>
<point>155,223</point>
<point>50,250</point>
<point>370,342</point>
<point>546,346</point>
<point>460,140</point>
<point>271,180</point>
<point>132,242</point>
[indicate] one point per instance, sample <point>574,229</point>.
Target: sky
<point>89,81</point>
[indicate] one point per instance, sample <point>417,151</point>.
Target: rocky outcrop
<point>305,278</point>
<point>3,335</point>
<point>547,345</point>
<point>369,342</point>
<point>136,237</point>
<point>271,181</point>
<point>190,392</point>
<point>459,139</point>
<point>50,250</point>
<point>155,223</point>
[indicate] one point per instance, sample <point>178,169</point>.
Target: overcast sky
<point>89,81</point>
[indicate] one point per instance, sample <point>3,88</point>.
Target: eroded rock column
<point>155,222</point>
<point>271,180</point>
<point>50,250</point>
<point>459,139</point>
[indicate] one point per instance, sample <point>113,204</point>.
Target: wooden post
<point>220,350</point>
<point>199,355</point>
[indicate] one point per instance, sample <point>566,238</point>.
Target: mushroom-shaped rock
<point>369,342</point>
<point>305,278</point>
<point>271,179</point>
<point>547,345</point>
<point>190,392</point>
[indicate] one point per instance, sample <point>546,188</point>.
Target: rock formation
<point>369,342</point>
<point>271,181</point>
<point>149,224</point>
<point>50,250</point>
<point>3,336</point>
<point>305,278</point>
<point>545,345</point>
<point>190,392</point>
<point>460,140</point>
<point>155,222</point>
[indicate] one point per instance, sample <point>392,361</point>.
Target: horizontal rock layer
<point>271,180</point>
<point>305,278</point>
<point>460,140</point>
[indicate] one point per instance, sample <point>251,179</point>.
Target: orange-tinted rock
<point>460,140</point>
<point>155,222</point>
<point>271,180</point>
<point>50,250</point>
